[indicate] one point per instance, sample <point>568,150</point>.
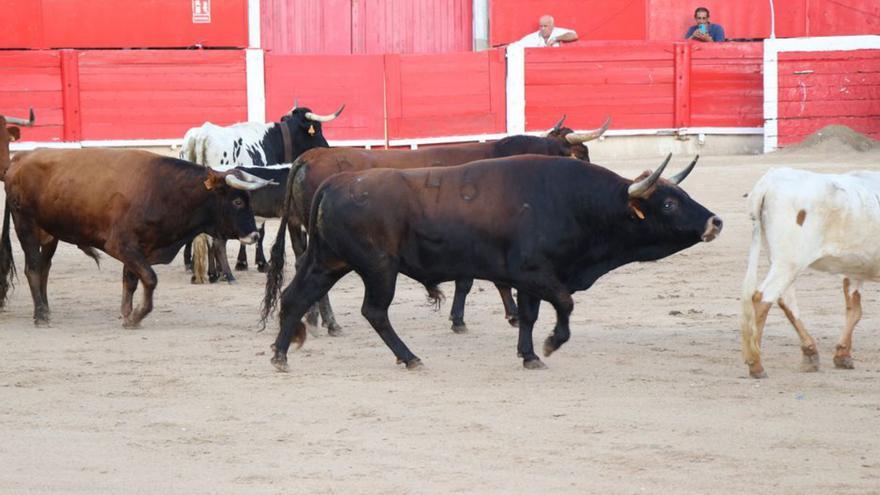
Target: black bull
<point>315,165</point>
<point>547,226</point>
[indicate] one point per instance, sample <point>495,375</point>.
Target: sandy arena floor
<point>649,396</point>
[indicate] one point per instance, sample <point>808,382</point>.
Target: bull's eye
<point>670,205</point>
<point>238,203</point>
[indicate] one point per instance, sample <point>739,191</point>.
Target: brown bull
<point>316,165</point>
<point>138,207</point>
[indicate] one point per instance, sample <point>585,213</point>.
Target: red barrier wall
<point>322,83</point>
<point>366,26</point>
<point>632,82</point>
<point>33,79</point>
<point>446,94</point>
<point>818,89</point>
<point>663,20</point>
<point>153,94</point>
<point>422,95</point>
<point>117,24</point>
<point>726,85</point>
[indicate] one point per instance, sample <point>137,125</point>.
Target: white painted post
<point>481,25</point>
<point>771,94</point>
<point>516,89</point>
<point>254,40</point>
<point>256,85</point>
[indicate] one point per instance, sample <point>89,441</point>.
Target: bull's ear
<point>14,133</point>
<point>214,180</point>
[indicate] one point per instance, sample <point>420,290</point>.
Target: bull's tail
<point>7,266</point>
<point>274,274</point>
<point>200,259</point>
<point>750,283</point>
<point>91,253</point>
<point>435,296</point>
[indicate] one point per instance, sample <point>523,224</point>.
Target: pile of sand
<point>834,138</point>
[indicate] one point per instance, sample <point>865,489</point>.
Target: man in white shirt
<point>548,35</point>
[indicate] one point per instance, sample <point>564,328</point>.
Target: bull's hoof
<point>188,267</point>
<point>549,346</point>
<point>810,363</point>
<point>313,329</point>
<point>131,324</point>
<point>279,361</point>
<point>262,267</point>
<point>534,364</point>
<point>843,362</point>
<point>459,328</point>
<point>757,371</point>
<point>241,266</point>
<point>513,321</point>
<point>41,322</point>
<point>414,364</point>
<point>334,330</point>
<point>213,278</point>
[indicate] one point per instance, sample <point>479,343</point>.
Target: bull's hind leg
<point>137,270</point>
<point>788,303</point>
<point>778,279</point>
<point>223,261</point>
<point>528,315</point>
<point>328,317</point>
<point>456,314</point>
<point>259,255</point>
<point>378,293</point>
<point>843,351</point>
<point>510,310</point>
<point>187,257</point>
<point>312,280</point>
<point>563,304</point>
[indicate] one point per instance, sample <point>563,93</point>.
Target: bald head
<point>546,25</point>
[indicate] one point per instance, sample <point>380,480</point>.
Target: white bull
<point>827,222</point>
<point>249,144</point>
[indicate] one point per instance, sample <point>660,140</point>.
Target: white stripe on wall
<point>256,85</point>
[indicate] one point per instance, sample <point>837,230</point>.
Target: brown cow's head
<point>7,135</point>
<point>305,128</point>
<point>234,216</point>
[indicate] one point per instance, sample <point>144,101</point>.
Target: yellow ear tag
<point>311,130</point>
<point>638,213</point>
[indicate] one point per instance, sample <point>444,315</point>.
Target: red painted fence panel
<point>630,81</point>
<point>322,83</point>
<point>152,94</point>
<point>366,26</point>
<point>446,94</point>
<point>727,85</point>
<point>115,24</point>
<point>33,79</point>
<point>818,89</point>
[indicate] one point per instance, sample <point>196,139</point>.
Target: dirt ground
<point>649,396</point>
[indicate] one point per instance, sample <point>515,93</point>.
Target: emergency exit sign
<point>201,11</point>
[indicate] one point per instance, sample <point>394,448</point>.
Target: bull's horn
<point>638,189</point>
<point>558,125</point>
<point>677,178</point>
<point>324,118</point>
<point>295,104</point>
<point>239,179</point>
<point>26,123</point>
<point>583,137</point>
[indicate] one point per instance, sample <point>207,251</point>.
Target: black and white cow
<point>251,144</point>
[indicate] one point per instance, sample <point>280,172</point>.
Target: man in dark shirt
<point>703,30</point>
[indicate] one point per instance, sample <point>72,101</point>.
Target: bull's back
<point>83,192</point>
<point>826,221</point>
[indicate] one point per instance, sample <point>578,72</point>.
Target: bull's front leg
<point>145,274</point>
<point>528,315</point>
<point>563,304</point>
<point>456,313</point>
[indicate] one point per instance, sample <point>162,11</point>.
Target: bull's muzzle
<point>713,228</point>
<point>250,238</point>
